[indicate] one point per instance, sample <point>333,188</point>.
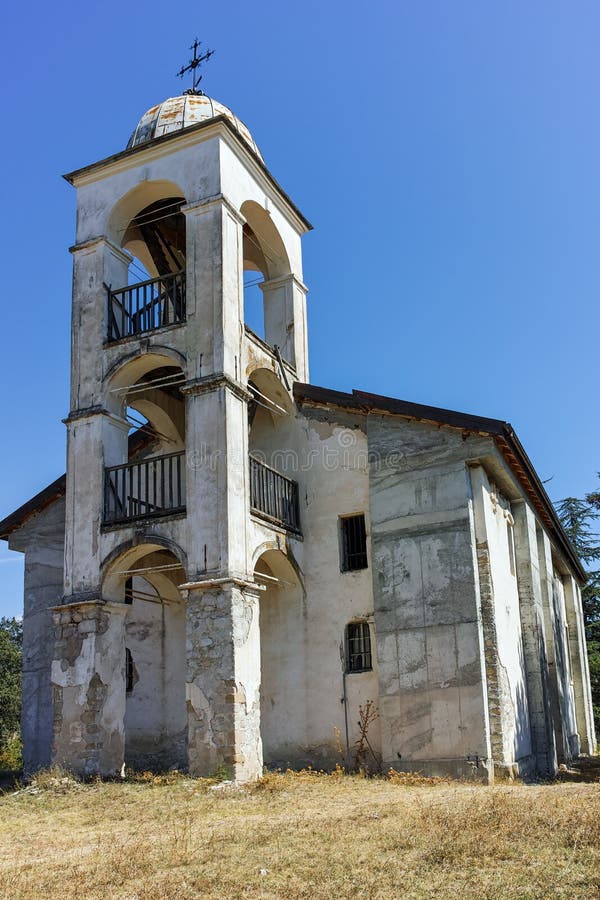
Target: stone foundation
<point>223,682</point>
<point>88,688</point>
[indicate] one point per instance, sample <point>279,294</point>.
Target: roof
<point>178,113</point>
<point>138,440</point>
<point>502,432</point>
<point>18,518</point>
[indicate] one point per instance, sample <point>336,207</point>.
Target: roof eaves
<point>502,432</point>
<point>163,139</point>
<point>33,506</point>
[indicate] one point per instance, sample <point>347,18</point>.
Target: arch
<point>271,387</point>
<point>138,574</point>
<point>138,198</point>
<point>160,402</point>
<point>282,655</point>
<point>269,555</point>
<point>144,552</point>
<point>157,357</point>
<point>264,250</point>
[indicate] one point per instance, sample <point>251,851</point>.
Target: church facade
<point>240,568</point>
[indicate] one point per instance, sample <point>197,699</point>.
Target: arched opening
<point>283,660</point>
<point>155,237</point>
<point>149,224</point>
<point>145,475</point>
<point>146,579</point>
<point>269,414</point>
<point>255,272</point>
<point>265,258</point>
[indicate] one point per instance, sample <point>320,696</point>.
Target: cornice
<point>214,382</point>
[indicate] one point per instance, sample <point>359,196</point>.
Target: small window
<point>358,647</point>
<point>353,543</point>
<point>128,671</point>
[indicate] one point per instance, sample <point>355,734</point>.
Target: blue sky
<point>446,153</point>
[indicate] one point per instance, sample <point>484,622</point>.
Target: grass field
<point>299,836</point>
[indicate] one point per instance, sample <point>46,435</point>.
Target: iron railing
<point>146,306</point>
<point>140,490</point>
<point>273,495</point>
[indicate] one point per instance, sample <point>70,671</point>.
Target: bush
<point>11,759</point>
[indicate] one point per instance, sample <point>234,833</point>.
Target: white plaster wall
<point>494,518</point>
<point>302,636</point>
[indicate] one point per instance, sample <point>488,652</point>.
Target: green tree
<point>578,518</point>
<point>11,653</point>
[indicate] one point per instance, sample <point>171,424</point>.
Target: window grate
<point>358,647</point>
<point>354,543</point>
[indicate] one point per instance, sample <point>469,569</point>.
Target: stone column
<point>88,687</point>
<point>285,320</point>
<point>217,493</point>
<point>223,679</point>
<point>579,667</point>
<point>95,438</point>
<point>531,610</point>
<point>214,292</point>
<point>553,632</point>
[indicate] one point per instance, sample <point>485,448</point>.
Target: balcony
<point>146,306</point>
<point>273,496</point>
<point>148,489</point>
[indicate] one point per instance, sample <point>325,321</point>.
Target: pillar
<point>223,679</point>
<point>95,438</point>
<point>579,667</point>
<point>216,478</point>
<point>88,688</point>
<point>285,320</point>
<point>553,633</point>
<point>531,611</point>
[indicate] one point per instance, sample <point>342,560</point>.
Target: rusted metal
<point>181,112</point>
<point>193,66</point>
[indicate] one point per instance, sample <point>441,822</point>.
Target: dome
<point>178,113</point>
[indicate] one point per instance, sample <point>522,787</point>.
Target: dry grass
<point>299,836</point>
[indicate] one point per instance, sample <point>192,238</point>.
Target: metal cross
<point>194,64</point>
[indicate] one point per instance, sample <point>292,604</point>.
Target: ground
<point>300,836</point>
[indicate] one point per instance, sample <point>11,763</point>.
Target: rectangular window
<point>353,543</point>
<point>358,647</point>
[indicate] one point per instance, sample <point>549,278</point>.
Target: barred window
<point>358,647</point>
<point>353,543</point>
<point>128,671</point>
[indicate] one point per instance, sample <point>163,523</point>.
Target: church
<point>242,569</point>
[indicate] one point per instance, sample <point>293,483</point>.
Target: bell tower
<point>166,496</point>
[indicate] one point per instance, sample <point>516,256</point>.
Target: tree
<point>11,653</point>
<point>578,518</point>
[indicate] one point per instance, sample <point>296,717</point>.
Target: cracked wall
<point>88,688</point>
<point>429,639</point>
